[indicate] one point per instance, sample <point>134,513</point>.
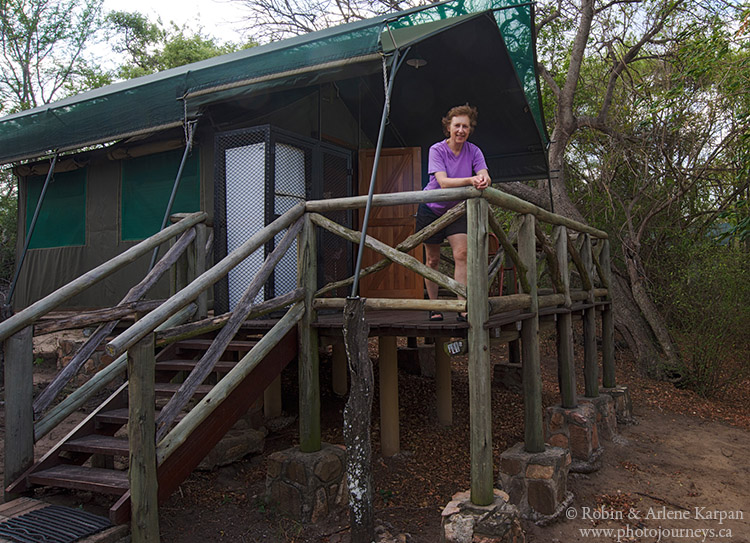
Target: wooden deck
<point>410,323</point>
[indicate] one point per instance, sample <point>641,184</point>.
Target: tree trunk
<point>357,413</point>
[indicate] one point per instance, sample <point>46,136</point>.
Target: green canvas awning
<point>159,101</point>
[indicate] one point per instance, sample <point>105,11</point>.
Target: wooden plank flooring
<point>416,323</point>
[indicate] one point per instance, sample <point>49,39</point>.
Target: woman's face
<point>460,128</point>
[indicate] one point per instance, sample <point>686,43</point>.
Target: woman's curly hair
<point>466,109</point>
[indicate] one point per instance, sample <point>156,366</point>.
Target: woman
<point>453,162</point>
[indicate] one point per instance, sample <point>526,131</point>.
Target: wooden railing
<point>159,326</point>
<point>17,334</point>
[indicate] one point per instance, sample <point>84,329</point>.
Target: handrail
<point>97,382</point>
<point>231,380</point>
<point>393,199</point>
<point>132,335</point>
<point>491,194</point>
<point>48,303</point>
<point>513,203</point>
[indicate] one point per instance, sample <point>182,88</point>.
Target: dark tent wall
<point>48,267</point>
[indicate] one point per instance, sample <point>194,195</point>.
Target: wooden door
<point>399,171</point>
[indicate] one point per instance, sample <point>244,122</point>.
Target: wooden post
<point>608,321</point>
<point>309,381</point>
<point>19,414</point>
<point>443,383</point>
<point>388,363</point>
<point>201,234</point>
<point>590,358</point>
<point>144,525</point>
<point>179,273</point>
<point>339,370</point>
<point>272,399</point>
<point>514,351</point>
<point>565,353</point>
<point>480,366</point>
<point>357,414</point>
<point>532,374</point>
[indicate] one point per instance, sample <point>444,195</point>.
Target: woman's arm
<point>479,181</point>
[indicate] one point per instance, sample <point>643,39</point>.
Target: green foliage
<point>703,289</point>
<point>8,214</point>
<point>152,47</point>
<point>43,47</point>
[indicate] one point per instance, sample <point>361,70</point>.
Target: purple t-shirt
<point>441,159</point>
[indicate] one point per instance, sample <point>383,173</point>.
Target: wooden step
<point>106,481</point>
<point>203,344</point>
<point>99,444</point>
<point>120,416</point>
<point>169,389</point>
<point>188,365</point>
<point>113,416</point>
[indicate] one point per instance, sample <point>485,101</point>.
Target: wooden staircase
<point>85,458</point>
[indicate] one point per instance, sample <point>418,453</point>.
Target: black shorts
<point>426,216</point>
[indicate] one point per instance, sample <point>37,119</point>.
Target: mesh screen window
<point>62,217</point>
<point>261,173</point>
<point>146,186</point>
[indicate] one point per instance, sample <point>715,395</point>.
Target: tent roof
<point>163,100</point>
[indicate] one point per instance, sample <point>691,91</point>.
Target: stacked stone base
<point>623,404</point>
<point>464,522</point>
<point>575,429</point>
<point>307,486</point>
<point>606,420</point>
<point>536,482</point>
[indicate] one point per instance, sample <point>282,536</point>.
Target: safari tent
<point>255,131</point>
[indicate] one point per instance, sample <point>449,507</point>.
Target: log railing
<point>17,333</point>
<point>167,322</point>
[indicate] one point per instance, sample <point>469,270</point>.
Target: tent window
<point>146,186</point>
<point>62,218</point>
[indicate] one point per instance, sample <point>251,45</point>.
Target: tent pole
<point>30,233</point>
<point>386,106</point>
<point>175,186</point>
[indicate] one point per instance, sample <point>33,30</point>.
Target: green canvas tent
<point>325,86</point>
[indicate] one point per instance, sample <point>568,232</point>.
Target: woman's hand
<point>481,181</point>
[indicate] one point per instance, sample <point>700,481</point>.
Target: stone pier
<point>536,482</point>
<point>464,522</point>
<point>623,405</point>
<point>575,429</point>
<point>606,421</point>
<point>307,486</point>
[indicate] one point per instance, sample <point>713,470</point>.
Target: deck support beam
<point>339,369</point>
<point>565,352</point>
<point>19,415</point>
<point>388,376</point>
<point>608,321</point>
<point>199,267</point>
<point>144,524</point>
<point>272,399</point>
<point>309,379</point>
<point>480,366</point>
<point>443,383</point>
<point>590,358</point>
<point>532,374</point>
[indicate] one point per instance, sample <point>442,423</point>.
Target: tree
<point>278,19</point>
<point>43,49</point>
<point>622,135</point>
<point>652,137</point>
<point>151,47</point>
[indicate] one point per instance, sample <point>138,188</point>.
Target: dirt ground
<point>683,468</point>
